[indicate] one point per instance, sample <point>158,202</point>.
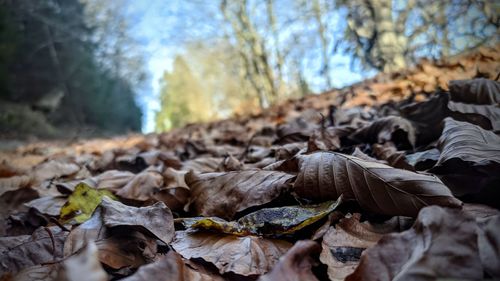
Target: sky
<point>154,21</point>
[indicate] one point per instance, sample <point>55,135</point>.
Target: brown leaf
<point>441,244</point>
<point>478,91</point>
<point>43,246</point>
<point>392,128</point>
<point>142,186</point>
<point>225,194</point>
<point>53,170</point>
<point>47,205</point>
<point>155,219</point>
<point>296,264</point>
<point>376,187</point>
<point>489,245</point>
<point>423,160</point>
<point>171,267</point>
<point>491,114</point>
<point>83,266</point>
<point>469,160</point>
<point>343,244</point>
<point>248,255</point>
<point>394,158</point>
<point>118,247</point>
<point>202,164</point>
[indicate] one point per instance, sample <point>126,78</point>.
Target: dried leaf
<point>376,187</point>
<point>247,256</point>
<point>441,244</point>
<point>83,266</point>
<point>485,116</point>
<point>82,203</point>
<point>268,221</point>
<point>171,267</point>
<point>296,264</point>
<point>389,153</point>
<point>155,219</point>
<point>424,160</point>
<point>343,244</point>
<point>225,194</point>
<point>45,245</point>
<point>392,128</point>
<point>478,91</point>
<point>47,205</point>
<point>142,186</point>
<point>469,160</point>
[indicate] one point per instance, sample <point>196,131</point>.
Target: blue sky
<point>155,24</point>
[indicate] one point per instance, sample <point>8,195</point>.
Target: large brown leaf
<point>485,116</point>
<point>469,160</point>
<point>155,219</point>
<point>441,244</point>
<point>296,264</point>
<point>343,244</point>
<point>376,187</point>
<point>171,267</point>
<point>225,194</point>
<point>45,245</point>
<point>391,128</point>
<point>478,91</point>
<point>249,255</point>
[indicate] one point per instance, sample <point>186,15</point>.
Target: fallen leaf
<point>392,156</point>
<point>83,266</point>
<point>478,91</point>
<point>47,205</point>
<point>155,219</point>
<point>171,267</point>
<point>423,160</point>
<point>225,194</point>
<point>247,256</point>
<point>296,264</point>
<point>268,221</point>
<point>489,245</point>
<point>469,161</point>
<point>392,128</point>
<point>376,187</point>
<point>45,245</point>
<point>343,244</point>
<point>441,244</point>
<point>82,203</point>
<point>142,186</point>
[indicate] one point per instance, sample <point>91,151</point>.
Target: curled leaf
<point>268,221</point>
<point>225,194</point>
<point>376,187</point>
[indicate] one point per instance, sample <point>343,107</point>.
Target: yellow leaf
<point>266,222</point>
<point>82,203</point>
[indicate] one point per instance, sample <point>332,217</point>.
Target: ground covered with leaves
<point>395,178</point>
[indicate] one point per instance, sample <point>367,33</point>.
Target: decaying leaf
<point>83,266</point>
<point>343,244</point>
<point>478,91</point>
<point>247,256</point>
<point>142,186</point>
<point>82,203</point>
<point>296,264</point>
<point>45,245</point>
<point>469,161</point>
<point>225,194</point>
<point>268,221</point>
<point>392,128</point>
<point>171,267</point>
<point>441,244</point>
<point>155,219</point>
<point>118,247</point>
<point>376,187</point>
<point>423,160</point>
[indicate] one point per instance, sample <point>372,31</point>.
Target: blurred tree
<point>389,34</point>
<point>51,64</point>
<point>183,100</point>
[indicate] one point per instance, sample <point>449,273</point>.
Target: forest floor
<point>392,178</point>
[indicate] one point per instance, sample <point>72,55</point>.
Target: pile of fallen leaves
<point>407,189</point>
